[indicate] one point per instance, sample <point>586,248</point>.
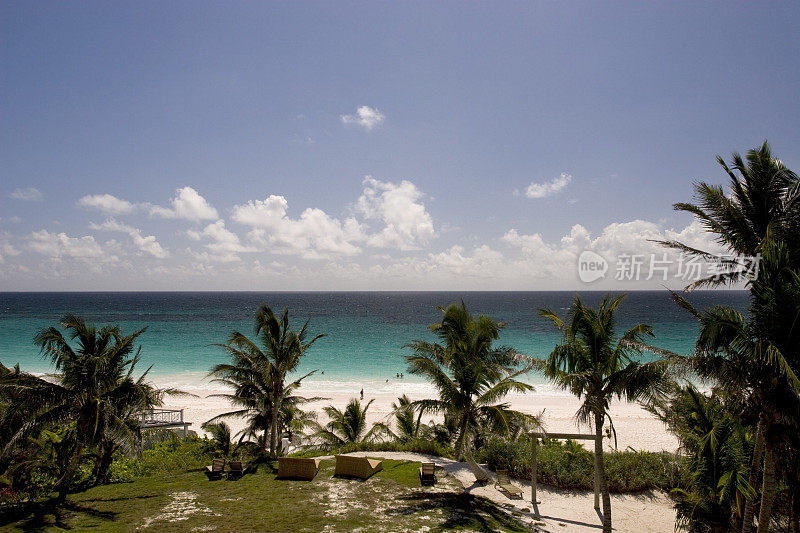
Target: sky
<point>375,146</point>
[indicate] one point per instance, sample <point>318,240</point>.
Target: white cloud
<point>407,223</point>
<point>314,235</point>
<point>30,194</point>
<point>57,245</point>
<point>541,190</point>
<point>148,244</point>
<point>366,117</point>
<point>6,248</point>
<point>188,205</point>
<point>107,203</point>
<point>224,245</point>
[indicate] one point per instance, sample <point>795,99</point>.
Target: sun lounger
<point>427,474</point>
<point>216,470</point>
<point>236,469</point>
<point>504,484</point>
<point>362,467</point>
<point>297,467</point>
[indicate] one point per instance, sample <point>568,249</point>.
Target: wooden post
<point>534,469</point>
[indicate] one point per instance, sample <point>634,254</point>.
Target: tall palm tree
<point>764,198</point>
<point>258,373</point>
<point>348,426</point>
<point>92,381</point>
<point>471,376</point>
<point>596,365</point>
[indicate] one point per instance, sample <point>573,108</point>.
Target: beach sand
<point>636,428</point>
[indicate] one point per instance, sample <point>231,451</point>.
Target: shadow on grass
<point>460,511</point>
<point>42,515</point>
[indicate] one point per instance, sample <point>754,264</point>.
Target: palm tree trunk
<point>103,463</point>
<point>755,473</point>
<point>600,471</point>
<point>768,489</point>
<point>273,430</point>
<point>63,483</point>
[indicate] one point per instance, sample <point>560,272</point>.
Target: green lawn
<point>392,500</point>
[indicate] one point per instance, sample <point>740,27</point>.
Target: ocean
<point>365,331</point>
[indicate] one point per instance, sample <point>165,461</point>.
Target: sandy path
<point>560,510</point>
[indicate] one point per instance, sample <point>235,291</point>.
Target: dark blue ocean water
<point>366,331</point>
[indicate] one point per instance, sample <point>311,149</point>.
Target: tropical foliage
<point>471,376</point>
<point>348,426</point>
<point>86,410</point>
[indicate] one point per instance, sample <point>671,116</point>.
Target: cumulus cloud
<point>30,194</point>
<point>366,117</point>
<point>57,245</point>
<point>107,203</point>
<point>148,244</point>
<point>224,246</point>
<point>548,188</point>
<point>188,205</point>
<point>314,235</point>
<point>6,248</point>
<point>407,224</point>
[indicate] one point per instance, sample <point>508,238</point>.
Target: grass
<point>392,500</point>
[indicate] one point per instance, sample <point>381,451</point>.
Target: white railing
<point>162,417</point>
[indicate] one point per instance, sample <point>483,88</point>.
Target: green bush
<point>568,465</point>
<point>178,455</point>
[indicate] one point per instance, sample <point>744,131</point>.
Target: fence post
<point>534,469</point>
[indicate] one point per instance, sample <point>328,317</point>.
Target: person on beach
<point>362,394</point>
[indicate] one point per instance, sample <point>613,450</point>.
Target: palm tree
<point>596,366</point>
<point>471,376</point>
<point>93,387</point>
<point>408,426</point>
<point>348,426</point>
<point>220,437</point>
<point>764,198</point>
<point>258,374</point>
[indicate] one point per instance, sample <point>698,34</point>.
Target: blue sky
<point>317,146</point>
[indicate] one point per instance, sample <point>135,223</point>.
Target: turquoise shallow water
<point>366,331</point>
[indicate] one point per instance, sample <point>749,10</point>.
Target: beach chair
<point>297,468</point>
<point>504,484</point>
<point>427,475</point>
<point>361,467</point>
<point>236,469</point>
<point>216,470</point>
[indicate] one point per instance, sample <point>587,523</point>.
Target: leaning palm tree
<point>596,365</point>
<point>471,376</point>
<point>88,387</point>
<point>348,426</point>
<point>258,373</point>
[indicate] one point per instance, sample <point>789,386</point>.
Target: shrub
<point>568,465</point>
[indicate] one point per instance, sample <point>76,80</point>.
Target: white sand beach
<point>636,428</point>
